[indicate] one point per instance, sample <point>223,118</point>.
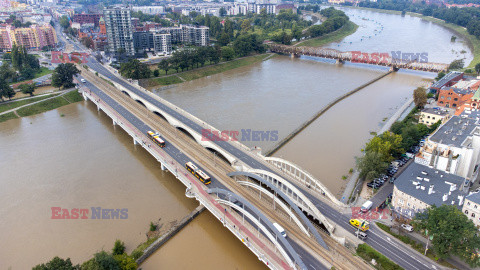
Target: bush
<point>153,227</point>
<point>118,248</point>
<point>368,253</point>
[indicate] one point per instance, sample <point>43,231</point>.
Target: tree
<point>165,65</point>
<point>371,165</point>
<point>87,42</point>
<point>134,69</point>
<point>453,233</point>
<point>477,68</point>
<point>5,90</point>
<point>224,39</point>
<point>126,262</point>
<point>440,75</point>
<point>118,248</point>
<point>27,73</point>
<point>420,97</point>
<point>228,53</point>
<point>28,88</point>
<point>156,73</point>
<point>222,12</point>
<point>57,264</point>
<point>456,64</point>
<point>387,145</point>
<point>64,22</point>
<point>63,75</point>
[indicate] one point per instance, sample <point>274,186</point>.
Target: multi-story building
<point>34,37</point>
<point>446,81</point>
<point>87,18</point>
<point>455,146</point>
<point>151,10</point>
<point>452,97</point>
<point>118,23</point>
<point>189,34</point>
<point>471,208</point>
<point>97,34</point>
<point>150,40</point>
<point>431,116</point>
<point>419,187</point>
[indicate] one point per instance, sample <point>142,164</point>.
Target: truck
<point>366,206</point>
<point>361,224</point>
<point>280,229</point>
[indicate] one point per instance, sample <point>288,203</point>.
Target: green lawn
<point>44,106</point>
<point>7,116</point>
<point>204,71</point>
<point>73,96</point>
<point>211,70</point>
<point>348,29</point>
<point>15,104</point>
<point>368,253</point>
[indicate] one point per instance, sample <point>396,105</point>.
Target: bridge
<point>249,192</point>
<point>381,59</point>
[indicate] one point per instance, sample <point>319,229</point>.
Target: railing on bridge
<point>382,59</point>
<point>265,250</point>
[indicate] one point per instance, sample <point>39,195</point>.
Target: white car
<point>407,227</point>
<point>83,80</point>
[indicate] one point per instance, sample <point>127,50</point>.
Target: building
<point>452,97</point>
<point>431,116</point>
<point>447,80</point>
<point>34,37</point>
<point>419,187</point>
<point>119,28</point>
<point>151,10</point>
<point>455,146</point>
<point>97,34</point>
<point>150,40</point>
<point>187,34</point>
<point>471,208</point>
<point>87,18</point>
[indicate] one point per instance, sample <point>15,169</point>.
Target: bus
<point>199,174</point>
<point>280,229</point>
<point>156,138</point>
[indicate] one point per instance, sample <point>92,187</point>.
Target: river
<point>73,157</point>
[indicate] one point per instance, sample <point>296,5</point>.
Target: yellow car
<point>363,224</point>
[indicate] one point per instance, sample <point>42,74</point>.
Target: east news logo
<point>85,213</point>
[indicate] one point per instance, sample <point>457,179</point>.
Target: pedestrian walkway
<point>29,104</point>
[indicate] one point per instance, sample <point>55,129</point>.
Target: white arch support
<point>279,202</point>
<point>303,176</point>
<point>296,196</point>
<point>178,124</point>
<point>260,225</point>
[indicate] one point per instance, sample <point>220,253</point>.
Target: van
<point>366,206</point>
<point>360,235</point>
<point>280,229</point>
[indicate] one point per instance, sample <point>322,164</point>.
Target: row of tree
<point>336,19</point>
<point>118,259</point>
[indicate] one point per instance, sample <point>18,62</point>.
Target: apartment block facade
<point>34,37</point>
<point>118,23</point>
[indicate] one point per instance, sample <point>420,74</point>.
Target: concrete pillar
<point>163,167</point>
<point>114,123</point>
<point>135,141</point>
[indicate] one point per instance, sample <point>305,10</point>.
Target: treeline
<point>336,19</point>
<point>465,17</point>
<point>151,18</point>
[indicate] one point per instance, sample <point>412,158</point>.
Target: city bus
<point>199,174</point>
<point>156,138</point>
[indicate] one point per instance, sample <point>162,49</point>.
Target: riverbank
<point>194,74</point>
<point>28,107</point>
<point>348,29</point>
<point>472,41</point>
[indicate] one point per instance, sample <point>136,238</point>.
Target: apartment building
<point>431,116</point>
<point>419,187</point>
<point>471,208</point>
<point>188,34</point>
<point>118,23</point>
<point>34,37</point>
<point>150,40</point>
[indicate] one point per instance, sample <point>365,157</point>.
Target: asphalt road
<point>391,248</point>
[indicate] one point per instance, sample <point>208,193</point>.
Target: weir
<point>294,133</point>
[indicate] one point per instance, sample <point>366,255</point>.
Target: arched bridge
<point>381,59</point>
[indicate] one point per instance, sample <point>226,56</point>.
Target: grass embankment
<point>205,71</point>
<point>44,106</point>
<point>473,42</point>
<point>15,104</point>
<point>414,244</point>
<point>368,253</point>
<point>138,252</point>
<point>348,29</point>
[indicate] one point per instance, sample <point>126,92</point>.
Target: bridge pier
<point>114,123</point>
<point>135,142</point>
<point>339,61</point>
<point>163,167</point>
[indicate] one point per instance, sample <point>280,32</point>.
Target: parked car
<point>407,227</point>
<point>392,179</point>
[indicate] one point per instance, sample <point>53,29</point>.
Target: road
<point>392,248</point>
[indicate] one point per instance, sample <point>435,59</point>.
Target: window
<point>468,203</point>
<point>456,99</point>
<point>466,212</point>
<point>441,102</point>
<point>475,206</point>
<point>473,214</point>
<point>449,98</point>
<point>442,97</point>
<point>454,105</point>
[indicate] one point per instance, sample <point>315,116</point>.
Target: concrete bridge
<point>413,62</point>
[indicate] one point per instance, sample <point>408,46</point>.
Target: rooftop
<point>431,186</point>
<point>455,131</point>
<point>474,197</point>
<point>435,111</point>
<point>460,91</point>
<point>446,79</point>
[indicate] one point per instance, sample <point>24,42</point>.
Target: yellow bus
<point>156,138</point>
<point>199,174</point>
